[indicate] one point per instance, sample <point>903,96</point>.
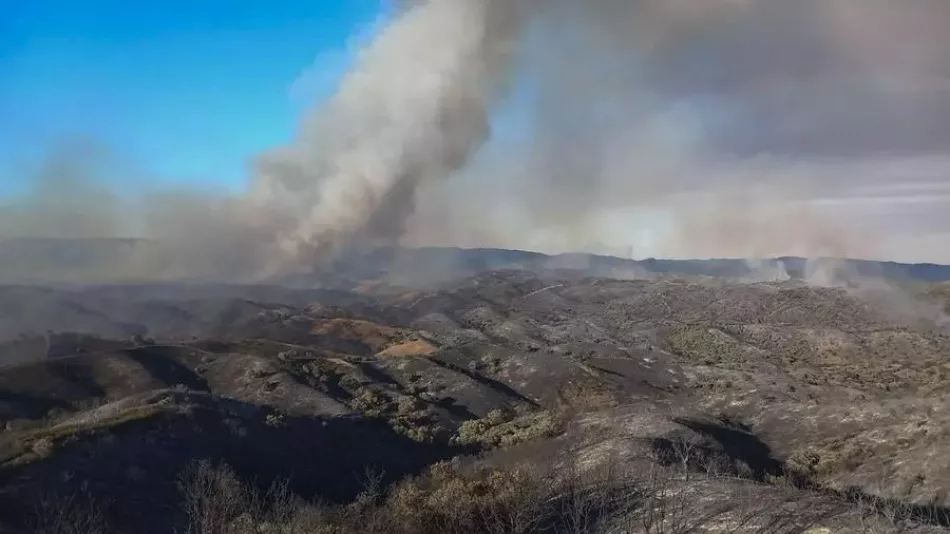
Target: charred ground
<point>821,394</point>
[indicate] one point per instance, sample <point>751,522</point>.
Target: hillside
<point>823,399</point>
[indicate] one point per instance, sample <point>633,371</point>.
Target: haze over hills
<point>793,404</point>
<point>31,260</point>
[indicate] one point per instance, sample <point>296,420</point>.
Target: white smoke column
<point>414,109</point>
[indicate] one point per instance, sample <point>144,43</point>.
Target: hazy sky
<point>728,127</point>
<point>672,127</point>
<point>187,89</point>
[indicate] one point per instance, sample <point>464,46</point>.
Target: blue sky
<point>186,90</point>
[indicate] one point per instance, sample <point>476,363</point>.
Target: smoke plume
<point>414,110</point>
<point>676,128</point>
<point>687,128</point>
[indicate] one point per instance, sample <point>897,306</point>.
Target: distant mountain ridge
<point>411,265</point>
<point>51,260</point>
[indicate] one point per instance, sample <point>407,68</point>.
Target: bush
<point>566,496</point>
<point>67,514</point>
<point>500,428</point>
<point>448,499</point>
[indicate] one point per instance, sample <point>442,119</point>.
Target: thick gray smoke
<point>414,110</point>
<point>688,128</point>
<point>670,128</point>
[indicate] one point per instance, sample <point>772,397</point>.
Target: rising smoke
<point>723,128</point>
<point>692,128</point>
<point>414,110</point>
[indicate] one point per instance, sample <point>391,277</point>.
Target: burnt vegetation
<point>510,401</point>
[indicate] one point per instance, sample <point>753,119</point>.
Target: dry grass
<point>565,499</point>
<point>20,448</point>
<point>368,332</point>
<point>385,341</point>
<point>417,347</point>
<point>566,496</point>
